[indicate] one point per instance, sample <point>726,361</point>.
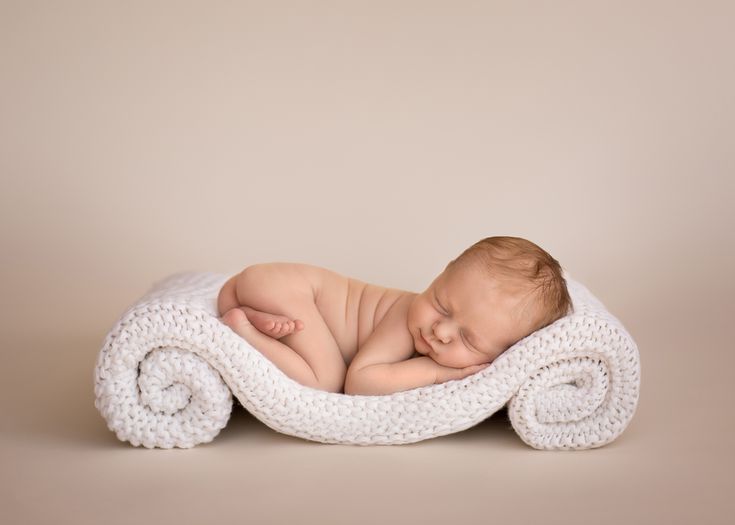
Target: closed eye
<point>467,343</point>
<point>440,307</point>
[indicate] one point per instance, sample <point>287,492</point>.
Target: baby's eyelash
<point>440,307</point>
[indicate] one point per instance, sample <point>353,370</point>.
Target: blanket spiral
<point>167,371</point>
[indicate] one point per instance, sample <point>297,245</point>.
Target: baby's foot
<point>241,325</point>
<point>275,326</point>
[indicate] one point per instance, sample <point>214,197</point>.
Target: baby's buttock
<point>352,308</point>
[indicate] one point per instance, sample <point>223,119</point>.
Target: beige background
<point>379,139</point>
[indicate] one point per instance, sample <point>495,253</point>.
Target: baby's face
<point>464,318</point>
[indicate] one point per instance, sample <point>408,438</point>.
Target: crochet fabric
<point>169,367</point>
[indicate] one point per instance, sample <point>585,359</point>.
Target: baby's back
<point>351,308</point>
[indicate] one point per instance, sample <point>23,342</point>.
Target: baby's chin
<point>420,351</point>
<point>427,353</point>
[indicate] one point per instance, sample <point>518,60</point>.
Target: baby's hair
<point>522,264</point>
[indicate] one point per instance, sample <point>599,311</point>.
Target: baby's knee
<point>267,288</point>
<point>227,298</point>
<point>334,383</point>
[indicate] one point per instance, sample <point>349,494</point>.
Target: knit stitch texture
<point>167,371</point>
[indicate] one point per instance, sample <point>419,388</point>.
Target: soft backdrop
<point>379,139</point>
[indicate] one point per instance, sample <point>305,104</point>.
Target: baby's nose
<point>441,333</point>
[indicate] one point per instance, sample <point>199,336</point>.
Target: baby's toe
<point>286,329</point>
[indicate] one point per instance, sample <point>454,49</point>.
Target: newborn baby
<point>339,334</point>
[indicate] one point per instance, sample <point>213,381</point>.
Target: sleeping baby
<point>339,334</point>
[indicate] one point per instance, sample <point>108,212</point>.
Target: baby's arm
<point>382,364</point>
<point>387,378</point>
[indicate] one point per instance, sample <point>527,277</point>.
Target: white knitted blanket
<point>169,367</point>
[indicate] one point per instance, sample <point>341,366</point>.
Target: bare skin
<point>272,325</point>
<point>339,334</point>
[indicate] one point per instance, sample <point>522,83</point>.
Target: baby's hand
<point>446,373</point>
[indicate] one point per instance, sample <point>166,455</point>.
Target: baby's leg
<point>310,356</point>
<point>290,363</point>
<point>275,326</point>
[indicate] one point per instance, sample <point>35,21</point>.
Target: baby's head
<point>498,291</point>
